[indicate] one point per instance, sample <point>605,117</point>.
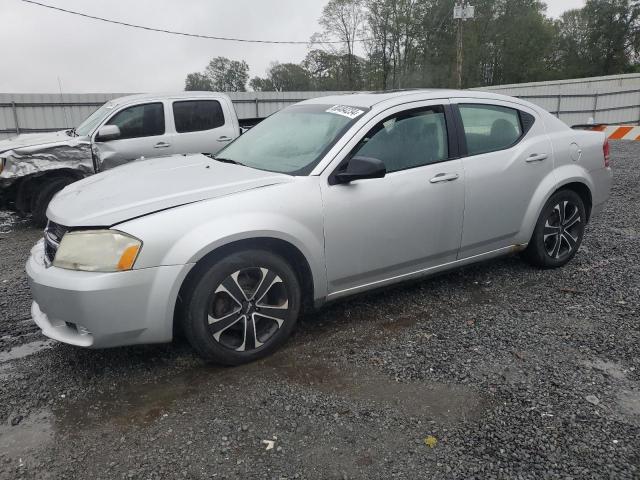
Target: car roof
<point>164,96</point>
<point>391,97</point>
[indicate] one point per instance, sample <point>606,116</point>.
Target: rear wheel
<point>241,308</point>
<point>559,231</point>
<point>40,199</point>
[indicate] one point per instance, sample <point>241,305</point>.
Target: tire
<point>241,308</point>
<point>24,197</point>
<point>559,231</point>
<point>40,200</point>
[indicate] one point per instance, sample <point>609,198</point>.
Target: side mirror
<point>108,132</point>
<point>361,168</point>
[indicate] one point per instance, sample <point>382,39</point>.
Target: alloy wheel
<point>248,308</point>
<point>562,230</point>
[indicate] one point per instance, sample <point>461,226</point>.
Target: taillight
<point>606,149</point>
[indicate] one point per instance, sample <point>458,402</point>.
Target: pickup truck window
<point>95,119</point>
<point>140,121</point>
<point>197,115</point>
<point>293,140</point>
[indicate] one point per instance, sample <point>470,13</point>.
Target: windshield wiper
<point>72,132</point>
<point>228,160</point>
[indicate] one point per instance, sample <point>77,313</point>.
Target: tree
<point>258,84</point>
<point>283,77</point>
<point>228,75</point>
<point>613,35</point>
<point>197,81</point>
<point>342,20</point>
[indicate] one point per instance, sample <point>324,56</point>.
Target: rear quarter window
<point>197,115</point>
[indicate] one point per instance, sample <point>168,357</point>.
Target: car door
<point>385,229</point>
<point>507,155</point>
<point>201,126</point>
<point>142,134</point>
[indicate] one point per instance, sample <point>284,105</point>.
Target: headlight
<point>97,251</point>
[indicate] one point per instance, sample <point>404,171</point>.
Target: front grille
<point>52,236</point>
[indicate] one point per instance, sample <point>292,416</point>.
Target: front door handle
<point>444,177</point>
<point>537,157</point>
<point>162,145</point>
<point>224,139</point>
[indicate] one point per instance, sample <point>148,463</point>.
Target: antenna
<point>64,108</point>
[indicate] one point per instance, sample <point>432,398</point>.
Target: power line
<point>183,34</point>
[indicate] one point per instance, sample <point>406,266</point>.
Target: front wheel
<point>242,307</point>
<point>559,231</point>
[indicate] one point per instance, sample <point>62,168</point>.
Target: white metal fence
<point>614,100</point>
<point>33,113</point>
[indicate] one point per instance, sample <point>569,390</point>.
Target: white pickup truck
<point>34,167</point>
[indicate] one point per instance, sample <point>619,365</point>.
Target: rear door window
<point>489,128</point>
<point>140,121</point>
<point>197,115</point>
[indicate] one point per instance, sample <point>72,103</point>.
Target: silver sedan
<point>325,199</point>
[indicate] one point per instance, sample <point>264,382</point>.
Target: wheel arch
<point>29,185</point>
<point>285,249</point>
<point>568,177</point>
<point>583,191</point>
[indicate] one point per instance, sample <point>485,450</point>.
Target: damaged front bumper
<point>97,310</point>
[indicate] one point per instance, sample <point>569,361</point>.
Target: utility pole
<point>460,50</point>
<point>461,11</point>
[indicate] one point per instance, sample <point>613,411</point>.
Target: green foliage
<point>227,75</point>
<point>197,81</point>
<point>385,44</point>
<point>221,75</point>
<point>283,77</point>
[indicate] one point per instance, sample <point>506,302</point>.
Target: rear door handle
<point>537,157</point>
<point>444,177</point>
<point>162,145</point>
<point>224,139</point>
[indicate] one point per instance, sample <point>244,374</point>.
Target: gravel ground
<point>514,372</point>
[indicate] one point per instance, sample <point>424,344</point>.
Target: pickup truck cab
<point>34,167</point>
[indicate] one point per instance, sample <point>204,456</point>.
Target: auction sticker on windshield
<point>345,111</point>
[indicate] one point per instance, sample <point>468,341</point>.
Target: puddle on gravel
<point>24,350</point>
<point>131,403</point>
<point>630,403</point>
<point>613,369</point>
<point>140,404</point>
<point>436,401</point>
<point>30,435</point>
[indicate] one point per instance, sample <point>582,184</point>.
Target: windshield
<point>92,121</point>
<point>293,140</point>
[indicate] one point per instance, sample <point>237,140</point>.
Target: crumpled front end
<point>25,161</point>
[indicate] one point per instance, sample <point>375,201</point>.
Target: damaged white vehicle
<point>34,167</point>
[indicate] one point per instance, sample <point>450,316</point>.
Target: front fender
<point>289,212</point>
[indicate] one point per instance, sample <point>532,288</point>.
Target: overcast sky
<point>39,45</point>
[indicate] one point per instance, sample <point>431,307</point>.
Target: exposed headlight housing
<point>97,251</point>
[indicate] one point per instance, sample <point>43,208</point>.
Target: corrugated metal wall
<point>614,99</point>
<point>49,112</point>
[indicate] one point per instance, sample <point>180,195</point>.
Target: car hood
<point>146,186</point>
<point>35,139</point>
